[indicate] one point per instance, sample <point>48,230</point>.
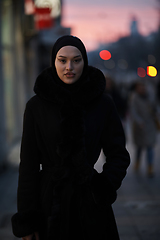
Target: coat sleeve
<point>25,221</point>
<point>117,157</point>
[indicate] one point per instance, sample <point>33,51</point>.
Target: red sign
<point>43,18</point>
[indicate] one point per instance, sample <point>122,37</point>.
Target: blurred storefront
<point>24,52</point>
<point>12,96</point>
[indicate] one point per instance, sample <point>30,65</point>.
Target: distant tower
<point>134,26</point>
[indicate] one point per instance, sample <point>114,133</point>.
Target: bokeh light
<point>151,59</point>
<point>141,72</point>
<point>110,64</point>
<point>151,71</point>
<point>122,64</point>
<point>105,54</point>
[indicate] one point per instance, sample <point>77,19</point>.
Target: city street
<point>137,209</point>
<point>67,52</point>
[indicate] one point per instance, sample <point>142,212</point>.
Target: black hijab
<point>69,40</point>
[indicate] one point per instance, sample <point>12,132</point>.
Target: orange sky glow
<point>96,25</point>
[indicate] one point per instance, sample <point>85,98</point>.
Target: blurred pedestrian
<point>158,91</point>
<point>120,102</point>
<point>158,103</point>
<point>66,124</point>
<point>143,126</point>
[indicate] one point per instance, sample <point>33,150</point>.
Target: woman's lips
<point>69,75</point>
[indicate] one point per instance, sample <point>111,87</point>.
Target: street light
<point>151,71</point>
<point>105,55</point>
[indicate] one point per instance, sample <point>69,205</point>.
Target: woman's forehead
<point>69,51</point>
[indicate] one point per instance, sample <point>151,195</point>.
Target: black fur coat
<point>64,132</point>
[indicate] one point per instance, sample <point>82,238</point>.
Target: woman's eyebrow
<point>66,57</point>
<point>62,56</point>
<point>77,56</point>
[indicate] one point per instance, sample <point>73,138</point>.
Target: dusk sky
<point>99,21</point>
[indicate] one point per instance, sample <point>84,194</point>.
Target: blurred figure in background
<point>120,102</point>
<point>158,90</point>
<point>142,112</point>
<point>158,101</point>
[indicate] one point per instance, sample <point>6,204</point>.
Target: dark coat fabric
<point>64,133</point>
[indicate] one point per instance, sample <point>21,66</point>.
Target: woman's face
<point>69,64</point>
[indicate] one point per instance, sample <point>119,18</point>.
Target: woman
<point>66,124</point>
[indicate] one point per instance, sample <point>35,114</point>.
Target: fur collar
<point>46,88</point>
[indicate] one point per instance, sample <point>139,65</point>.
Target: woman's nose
<point>69,65</point>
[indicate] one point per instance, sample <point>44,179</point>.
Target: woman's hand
<point>30,237</point>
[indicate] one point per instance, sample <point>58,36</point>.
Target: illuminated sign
<point>54,5</point>
<point>43,18</point>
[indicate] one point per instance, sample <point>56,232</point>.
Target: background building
<point>24,52</point>
<point>12,72</point>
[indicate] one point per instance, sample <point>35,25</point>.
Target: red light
<point>141,72</point>
<point>105,54</point>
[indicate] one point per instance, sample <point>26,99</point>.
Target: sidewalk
<point>8,188</point>
<point>8,192</point>
<point>137,209</point>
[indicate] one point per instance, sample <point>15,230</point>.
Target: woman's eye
<point>62,60</point>
<point>77,60</point>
